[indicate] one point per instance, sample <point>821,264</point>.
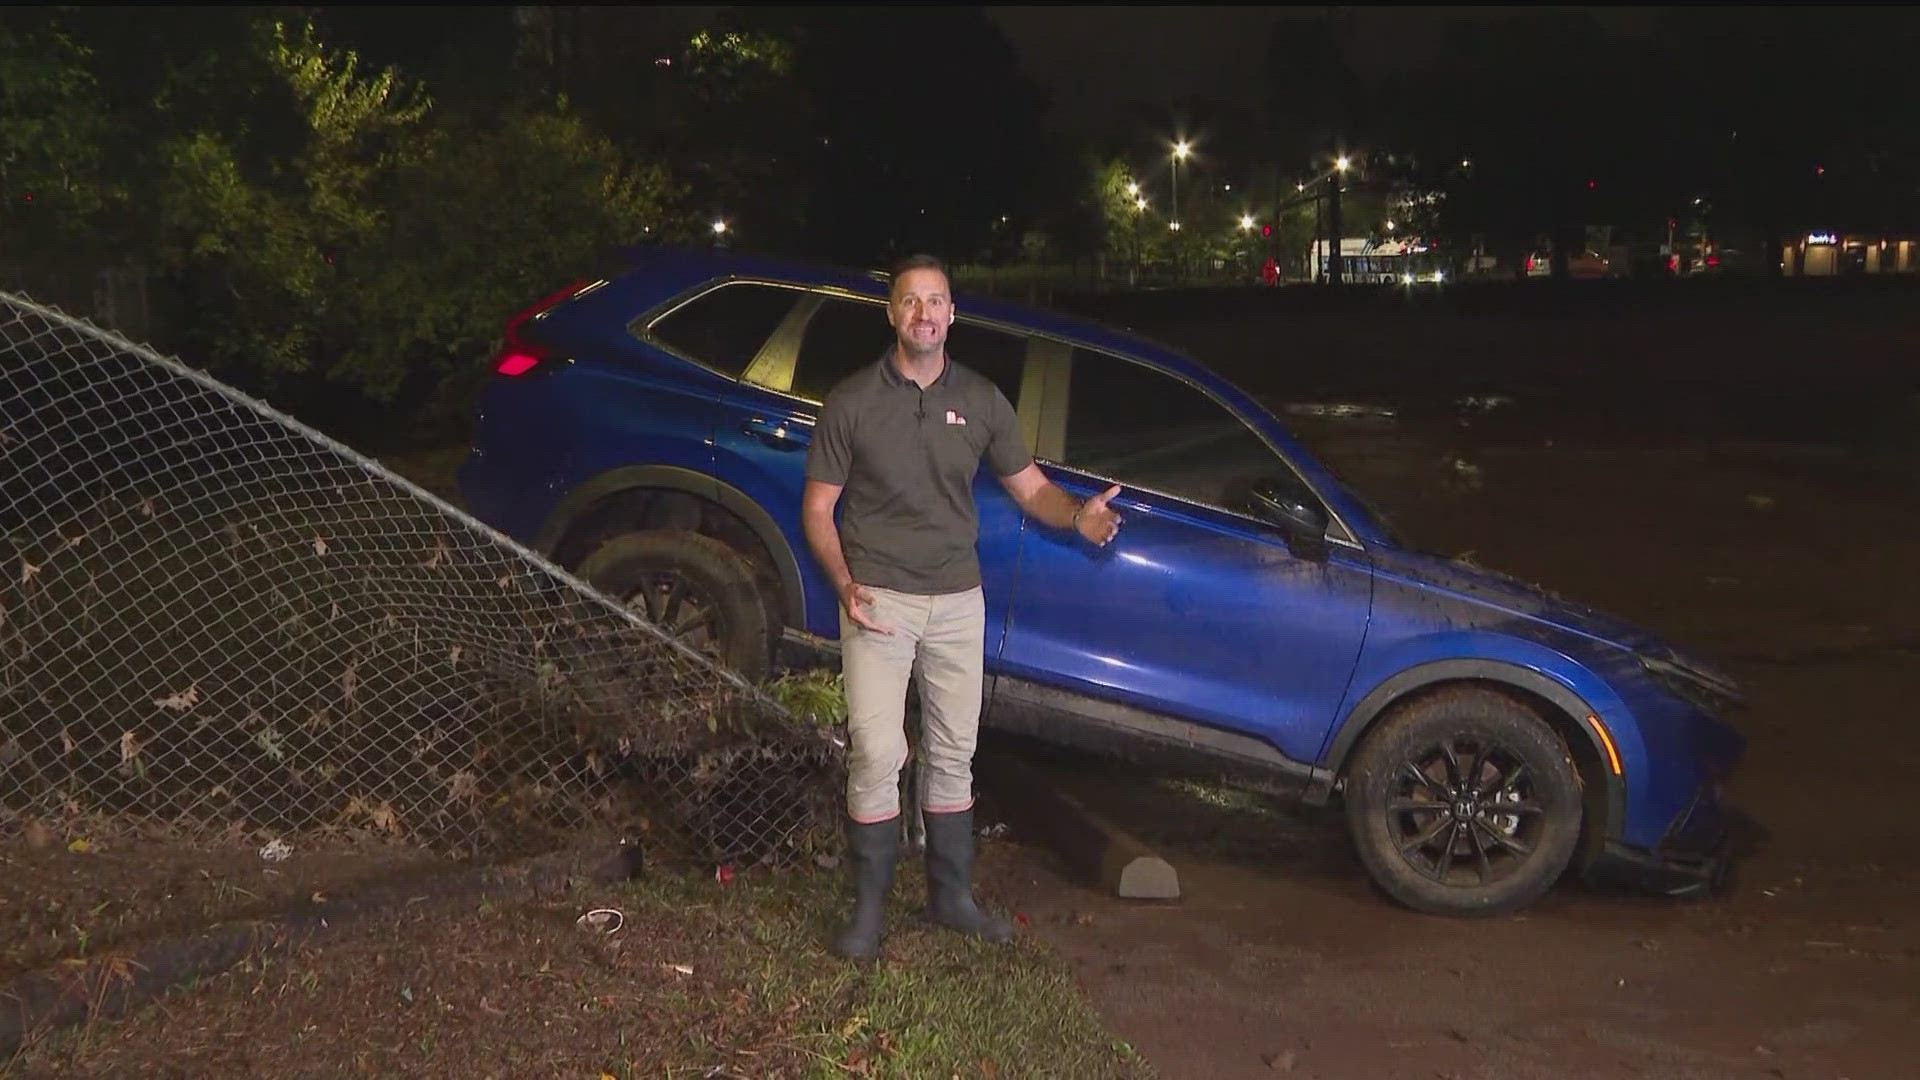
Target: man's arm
<point>1049,503</point>
<point>823,536</point>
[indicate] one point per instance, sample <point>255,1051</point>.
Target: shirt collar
<point>891,371</point>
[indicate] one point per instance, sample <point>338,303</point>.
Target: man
<point>903,439</point>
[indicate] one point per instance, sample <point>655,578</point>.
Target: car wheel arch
<point>721,509</point>
<point>1562,708</point>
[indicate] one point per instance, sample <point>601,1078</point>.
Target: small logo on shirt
<point>955,418</point>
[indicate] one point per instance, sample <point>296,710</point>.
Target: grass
<point>701,978</point>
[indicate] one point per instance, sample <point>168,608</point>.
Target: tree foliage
<point>53,138</point>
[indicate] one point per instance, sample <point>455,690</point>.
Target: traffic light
<point>1266,229</point>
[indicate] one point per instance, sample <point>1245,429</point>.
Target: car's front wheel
<point>1464,803</point>
<point>694,588</point>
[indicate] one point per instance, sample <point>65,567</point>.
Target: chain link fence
<point>215,621</point>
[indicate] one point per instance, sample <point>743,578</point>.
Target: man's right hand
<point>858,602</point>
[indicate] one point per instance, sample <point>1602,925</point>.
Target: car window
<point>1144,428</point>
<point>996,354</point>
<point>724,328</point>
<point>842,337</point>
<point>846,335</point>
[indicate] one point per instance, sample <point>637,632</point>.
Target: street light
<point>1133,188</point>
<point>1341,163</point>
<point>1246,223</point>
<point>1139,204</point>
<point>719,228</point>
<point>1181,149</point>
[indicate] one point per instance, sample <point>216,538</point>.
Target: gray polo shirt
<point>907,458</point>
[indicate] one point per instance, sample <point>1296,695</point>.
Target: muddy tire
<point>697,589</point>
<point>1465,802</point>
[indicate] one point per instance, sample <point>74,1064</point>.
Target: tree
<point>53,137</point>
<point>1125,239</point>
<point>493,219</point>
<point>261,235</point>
<point>925,133</point>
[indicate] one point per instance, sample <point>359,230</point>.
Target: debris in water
<point>1337,410</point>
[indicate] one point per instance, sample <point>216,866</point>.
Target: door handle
<point>780,435</point>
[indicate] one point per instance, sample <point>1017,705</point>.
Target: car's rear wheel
<point>696,589</point>
<point>1465,802</point>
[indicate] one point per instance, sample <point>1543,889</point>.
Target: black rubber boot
<point>872,851</point>
<point>950,879</point>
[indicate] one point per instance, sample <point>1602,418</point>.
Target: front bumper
<point>1691,860</point>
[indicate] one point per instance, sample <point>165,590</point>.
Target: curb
<point>1094,848</point>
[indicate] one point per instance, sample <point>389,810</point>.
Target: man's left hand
<point>1097,521</point>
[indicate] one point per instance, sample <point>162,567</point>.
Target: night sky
<point>1090,58</point>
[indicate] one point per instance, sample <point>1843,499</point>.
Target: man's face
<point>921,311</point>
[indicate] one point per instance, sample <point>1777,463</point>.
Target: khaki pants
<point>942,640</point>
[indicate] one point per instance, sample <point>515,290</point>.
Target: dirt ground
<point>1786,553</point>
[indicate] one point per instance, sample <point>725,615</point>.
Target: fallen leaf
<point>385,818</point>
<point>1280,1062</point>
<point>39,837</point>
<point>27,572</point>
<point>463,785</point>
<point>723,874</point>
<point>319,545</point>
<point>80,845</point>
<point>180,701</point>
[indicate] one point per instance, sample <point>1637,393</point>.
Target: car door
<point>1198,610</point>
<point>829,338</point>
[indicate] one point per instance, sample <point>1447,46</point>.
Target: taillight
<point>520,355</point>
<point>517,363</point>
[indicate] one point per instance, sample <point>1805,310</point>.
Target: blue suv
<point>1255,621</point>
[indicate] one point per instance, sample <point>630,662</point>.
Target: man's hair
<point>917,262</point>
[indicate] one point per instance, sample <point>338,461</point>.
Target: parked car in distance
<point>1585,265</point>
<point>648,431</point>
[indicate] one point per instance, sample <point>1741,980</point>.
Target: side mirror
<point>1296,512</point>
